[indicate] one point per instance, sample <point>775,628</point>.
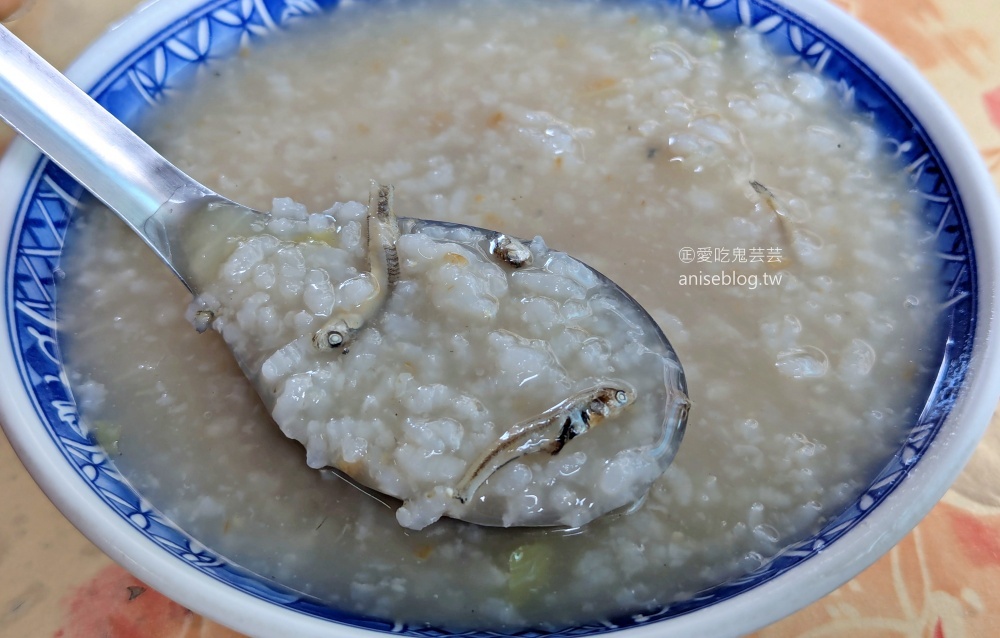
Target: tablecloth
<point>941,581</point>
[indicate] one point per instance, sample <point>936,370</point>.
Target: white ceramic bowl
<point>132,66</point>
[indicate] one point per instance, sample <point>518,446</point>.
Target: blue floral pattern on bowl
<point>218,29</point>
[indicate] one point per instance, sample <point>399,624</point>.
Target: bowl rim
<point>881,529</point>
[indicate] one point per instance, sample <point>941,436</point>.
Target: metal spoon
<point>179,218</point>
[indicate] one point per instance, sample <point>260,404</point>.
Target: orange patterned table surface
<point>942,580</point>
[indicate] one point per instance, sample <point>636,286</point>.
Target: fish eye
<point>621,396</point>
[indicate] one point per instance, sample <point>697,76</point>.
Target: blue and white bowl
<point>146,56</point>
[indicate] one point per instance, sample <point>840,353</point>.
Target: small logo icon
<point>686,254</point>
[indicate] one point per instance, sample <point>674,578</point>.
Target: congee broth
<point>734,194</point>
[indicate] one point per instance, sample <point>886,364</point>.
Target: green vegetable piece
<point>530,569</point>
<point>107,435</point>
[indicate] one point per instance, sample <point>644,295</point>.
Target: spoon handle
<point>85,140</point>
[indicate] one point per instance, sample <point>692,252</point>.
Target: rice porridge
<point>762,224</point>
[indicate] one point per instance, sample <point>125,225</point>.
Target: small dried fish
<point>383,263</point>
<point>548,432</point>
<point>203,320</point>
<point>384,225</point>
<point>770,200</point>
<point>510,250</point>
<point>340,330</point>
